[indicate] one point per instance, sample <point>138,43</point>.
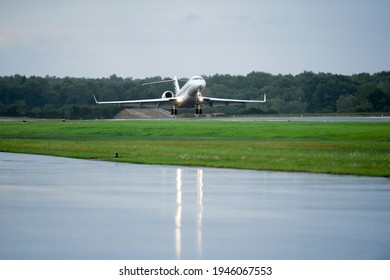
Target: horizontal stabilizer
<point>158,82</point>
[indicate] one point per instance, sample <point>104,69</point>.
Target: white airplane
<point>189,96</point>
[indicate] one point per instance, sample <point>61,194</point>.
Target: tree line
<point>308,92</point>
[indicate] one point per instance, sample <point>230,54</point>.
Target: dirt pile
<point>128,114</point>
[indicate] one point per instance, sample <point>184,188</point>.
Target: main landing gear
<point>173,111</point>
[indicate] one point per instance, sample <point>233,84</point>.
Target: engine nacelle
<point>167,94</point>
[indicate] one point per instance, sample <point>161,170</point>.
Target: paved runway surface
<point>312,119</point>
<point>57,208</point>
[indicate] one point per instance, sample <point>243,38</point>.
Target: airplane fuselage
<point>190,94</point>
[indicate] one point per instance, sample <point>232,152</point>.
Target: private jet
<point>189,96</point>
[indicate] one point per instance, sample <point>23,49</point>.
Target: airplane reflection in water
<point>186,212</point>
<point>178,217</point>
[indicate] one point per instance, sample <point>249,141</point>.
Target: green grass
<point>338,148</point>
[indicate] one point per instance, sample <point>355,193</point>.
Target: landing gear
<point>199,101</point>
<point>174,111</point>
<point>198,110</point>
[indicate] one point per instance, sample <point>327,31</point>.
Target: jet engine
<point>167,94</point>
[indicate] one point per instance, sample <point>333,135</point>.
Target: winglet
<point>265,97</point>
<point>95,99</point>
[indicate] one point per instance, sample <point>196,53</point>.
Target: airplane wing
<point>157,102</point>
<point>211,101</point>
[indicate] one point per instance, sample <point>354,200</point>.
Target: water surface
<point>59,208</point>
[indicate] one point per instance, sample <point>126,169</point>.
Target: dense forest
<point>308,92</point>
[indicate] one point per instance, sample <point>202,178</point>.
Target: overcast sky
<point>96,38</point>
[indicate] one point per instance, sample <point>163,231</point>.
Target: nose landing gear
<point>198,110</point>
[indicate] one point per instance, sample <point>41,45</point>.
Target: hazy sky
<point>96,38</point>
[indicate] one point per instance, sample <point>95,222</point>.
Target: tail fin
<point>176,84</point>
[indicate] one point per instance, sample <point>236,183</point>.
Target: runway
<point>312,119</point>
<point>59,208</point>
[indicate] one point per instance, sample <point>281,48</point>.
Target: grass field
<point>339,148</point>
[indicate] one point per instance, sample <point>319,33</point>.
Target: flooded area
<point>59,208</point>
